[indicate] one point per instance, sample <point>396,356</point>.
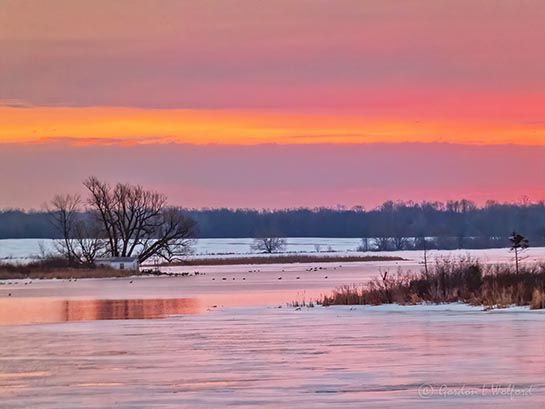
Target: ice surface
<point>235,343</point>
<point>278,358</point>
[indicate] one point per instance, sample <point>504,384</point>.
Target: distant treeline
<point>454,224</point>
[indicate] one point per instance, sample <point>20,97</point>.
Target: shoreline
<point>279,259</point>
<point>34,272</point>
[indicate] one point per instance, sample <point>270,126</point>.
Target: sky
<point>285,103</point>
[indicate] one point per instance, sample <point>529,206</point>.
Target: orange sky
<point>288,71</point>
<point>106,79</point>
<point>108,125</point>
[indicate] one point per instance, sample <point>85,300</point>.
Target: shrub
<point>451,280</point>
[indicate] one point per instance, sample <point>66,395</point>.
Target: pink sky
<point>275,176</point>
<point>242,75</point>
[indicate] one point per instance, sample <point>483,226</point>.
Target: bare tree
<point>269,244</point>
<point>383,243</point>
<point>423,243</point>
<point>399,242</point>
<point>63,209</point>
<point>81,242</point>
<point>518,244</point>
<point>138,222</point>
<point>173,238</point>
<point>123,220</point>
<point>364,246</point>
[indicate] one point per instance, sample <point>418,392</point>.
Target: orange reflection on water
<point>39,310</point>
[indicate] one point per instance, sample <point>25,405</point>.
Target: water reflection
<point>34,310</point>
<point>335,357</point>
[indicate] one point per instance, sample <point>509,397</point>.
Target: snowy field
<point>24,250</point>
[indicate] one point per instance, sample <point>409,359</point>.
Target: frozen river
<point>226,338</point>
<point>280,358</point>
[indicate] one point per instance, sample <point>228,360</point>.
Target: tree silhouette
<point>121,220</point>
<point>269,244</point>
<point>518,245</point>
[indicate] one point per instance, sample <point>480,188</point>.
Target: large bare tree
<point>129,221</point>
<point>138,222</point>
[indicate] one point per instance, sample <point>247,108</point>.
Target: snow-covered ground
<point>23,250</point>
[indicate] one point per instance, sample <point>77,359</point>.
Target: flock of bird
<point>197,273</point>
<point>280,278</point>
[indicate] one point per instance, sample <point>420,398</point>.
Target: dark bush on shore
<point>461,280</point>
<point>57,267</point>
<point>9,270</point>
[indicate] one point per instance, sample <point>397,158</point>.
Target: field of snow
<point>24,250</point>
